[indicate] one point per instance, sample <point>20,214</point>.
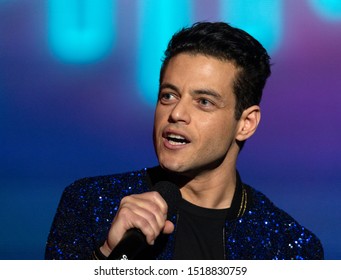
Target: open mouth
<point>175,139</point>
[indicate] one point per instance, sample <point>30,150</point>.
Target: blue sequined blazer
<point>87,208</point>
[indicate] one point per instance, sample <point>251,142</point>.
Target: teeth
<point>176,136</point>
<point>175,139</point>
<point>176,143</point>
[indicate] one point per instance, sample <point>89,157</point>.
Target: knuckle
<point>125,200</point>
<point>124,211</point>
<point>154,208</point>
<point>158,198</point>
<point>155,194</point>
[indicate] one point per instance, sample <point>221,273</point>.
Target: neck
<point>214,189</point>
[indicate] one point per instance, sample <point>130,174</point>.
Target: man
<point>211,84</point>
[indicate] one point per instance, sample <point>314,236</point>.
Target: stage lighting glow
<point>157,22</point>
<point>263,19</point>
<point>328,9</point>
<point>81,31</point>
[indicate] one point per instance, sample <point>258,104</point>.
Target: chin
<point>172,166</point>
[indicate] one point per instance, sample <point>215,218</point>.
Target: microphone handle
<point>132,243</point>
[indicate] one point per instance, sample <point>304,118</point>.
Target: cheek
<point>211,125</point>
<point>217,133</point>
<point>160,114</point>
<point>157,118</point>
<point>158,128</point>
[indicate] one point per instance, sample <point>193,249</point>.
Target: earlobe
<point>248,123</point>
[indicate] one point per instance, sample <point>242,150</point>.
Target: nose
<point>181,112</point>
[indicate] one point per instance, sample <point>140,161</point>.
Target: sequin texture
<point>87,208</point>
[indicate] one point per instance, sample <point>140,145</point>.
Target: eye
<point>166,97</point>
<point>205,102</point>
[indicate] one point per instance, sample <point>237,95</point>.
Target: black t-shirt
<point>200,231</point>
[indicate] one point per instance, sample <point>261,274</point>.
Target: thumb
<point>168,228</point>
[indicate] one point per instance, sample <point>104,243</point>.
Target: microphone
<point>134,241</point>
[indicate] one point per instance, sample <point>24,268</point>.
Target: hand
<point>146,211</point>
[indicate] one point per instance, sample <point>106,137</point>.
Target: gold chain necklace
<point>243,203</point>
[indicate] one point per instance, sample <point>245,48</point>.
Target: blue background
<point>78,82</point>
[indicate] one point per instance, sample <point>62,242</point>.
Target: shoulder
<point>107,188</point>
<point>261,207</point>
<point>127,182</point>
<point>286,237</point>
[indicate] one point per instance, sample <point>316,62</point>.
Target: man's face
<point>194,125</point>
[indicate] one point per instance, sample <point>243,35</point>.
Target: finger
<point>149,205</point>
<point>144,211</point>
<point>147,200</point>
<point>146,221</point>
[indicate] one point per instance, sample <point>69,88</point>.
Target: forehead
<point>199,70</point>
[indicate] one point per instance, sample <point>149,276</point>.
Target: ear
<point>248,123</point>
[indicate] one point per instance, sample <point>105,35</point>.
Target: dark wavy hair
<point>227,43</point>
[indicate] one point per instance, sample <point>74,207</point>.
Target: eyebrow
<point>169,86</point>
<point>209,92</point>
